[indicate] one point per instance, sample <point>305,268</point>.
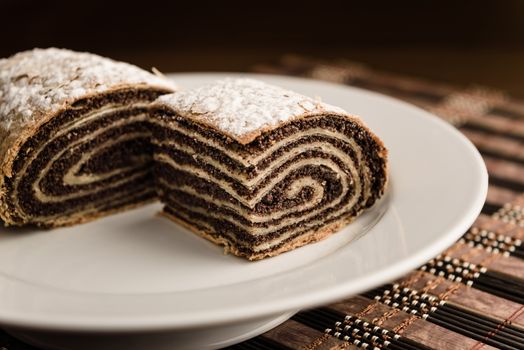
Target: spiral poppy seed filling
<point>74,136</point>
<point>75,165</point>
<point>290,185</point>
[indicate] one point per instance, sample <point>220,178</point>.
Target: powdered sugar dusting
<point>242,106</point>
<point>40,81</point>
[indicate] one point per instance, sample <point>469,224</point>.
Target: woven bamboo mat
<point>470,297</point>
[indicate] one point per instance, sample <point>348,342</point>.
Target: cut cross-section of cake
<point>262,170</point>
<point>74,136</point>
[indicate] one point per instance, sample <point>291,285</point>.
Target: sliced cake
<point>262,170</point>
<point>74,136</point>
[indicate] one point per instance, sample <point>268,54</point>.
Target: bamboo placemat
<point>470,297</point>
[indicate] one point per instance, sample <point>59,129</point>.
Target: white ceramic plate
<point>137,272</point>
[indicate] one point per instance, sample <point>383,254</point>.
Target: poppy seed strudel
<point>74,136</point>
<point>262,170</point>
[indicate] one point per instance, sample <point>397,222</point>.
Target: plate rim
<point>393,271</point>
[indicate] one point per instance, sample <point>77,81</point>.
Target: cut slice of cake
<point>262,170</point>
<point>74,136</point>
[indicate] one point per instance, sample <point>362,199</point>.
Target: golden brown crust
<point>302,240</point>
<point>244,139</point>
<point>312,237</point>
<point>243,108</point>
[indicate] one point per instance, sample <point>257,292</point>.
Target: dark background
<point>462,42</point>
